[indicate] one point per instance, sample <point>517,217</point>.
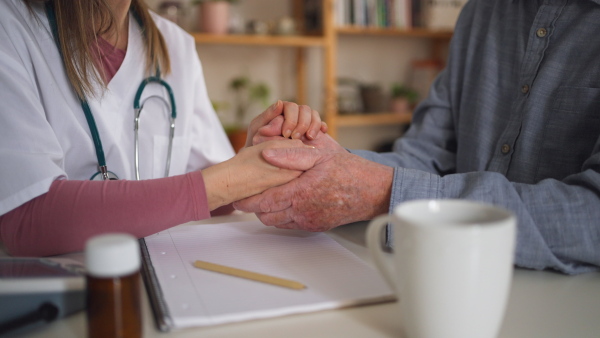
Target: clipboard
<point>183,296</point>
<point>160,311</point>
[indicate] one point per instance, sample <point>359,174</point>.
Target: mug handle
<point>373,237</point>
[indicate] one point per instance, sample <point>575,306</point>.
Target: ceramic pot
<point>214,17</point>
<point>400,105</point>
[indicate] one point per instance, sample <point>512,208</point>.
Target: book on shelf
<point>399,14</point>
<point>415,12</point>
<point>312,16</point>
<point>374,13</point>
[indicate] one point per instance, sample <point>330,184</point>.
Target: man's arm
<point>557,221</point>
<point>558,224</point>
<point>479,137</point>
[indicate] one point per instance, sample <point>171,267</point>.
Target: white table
<point>541,304</point>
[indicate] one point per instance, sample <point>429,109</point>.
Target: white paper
<point>334,276</point>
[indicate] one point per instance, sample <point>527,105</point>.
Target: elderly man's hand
<point>337,188</point>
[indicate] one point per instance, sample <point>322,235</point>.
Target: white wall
<point>370,59</point>
<point>380,60</point>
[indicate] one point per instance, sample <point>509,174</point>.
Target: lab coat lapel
<point>113,108</point>
<point>123,85</point>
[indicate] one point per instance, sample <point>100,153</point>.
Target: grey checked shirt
<point>514,120</point>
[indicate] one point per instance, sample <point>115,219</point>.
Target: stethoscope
<point>103,172</point>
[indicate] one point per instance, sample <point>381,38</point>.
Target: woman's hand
<point>271,131</point>
<point>246,174</point>
<point>299,121</point>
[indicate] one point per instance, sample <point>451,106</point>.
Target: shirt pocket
<point>179,156</point>
<point>571,132</point>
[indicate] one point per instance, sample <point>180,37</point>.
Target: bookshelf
<point>327,37</point>
<point>438,40</point>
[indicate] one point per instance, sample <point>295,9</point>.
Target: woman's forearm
<point>70,212</point>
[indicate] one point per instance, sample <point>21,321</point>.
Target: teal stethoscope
<point>103,172</point>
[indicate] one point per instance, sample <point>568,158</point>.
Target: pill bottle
<point>113,286</point>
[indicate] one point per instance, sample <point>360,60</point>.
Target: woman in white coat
<point>70,73</point>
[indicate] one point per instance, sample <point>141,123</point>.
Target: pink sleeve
<point>70,212</point>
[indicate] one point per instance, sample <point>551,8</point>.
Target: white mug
<point>451,265</point>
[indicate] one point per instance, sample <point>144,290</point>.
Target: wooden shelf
<point>259,40</point>
<point>372,119</point>
<point>415,32</point>
<point>327,40</point>
<point>439,39</point>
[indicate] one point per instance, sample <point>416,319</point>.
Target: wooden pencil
<point>259,277</point>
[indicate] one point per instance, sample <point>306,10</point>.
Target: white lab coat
<point>43,132</point>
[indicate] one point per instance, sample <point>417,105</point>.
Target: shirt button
<point>525,89</point>
<point>541,32</point>
<point>505,148</point>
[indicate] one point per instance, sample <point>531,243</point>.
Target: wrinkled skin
<point>336,188</point>
<point>248,173</point>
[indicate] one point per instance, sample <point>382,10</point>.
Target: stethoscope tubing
<point>136,127</point>
<point>103,169</point>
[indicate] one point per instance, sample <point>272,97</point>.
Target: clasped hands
<point>328,186</point>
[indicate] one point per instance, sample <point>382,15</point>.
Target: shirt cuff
<point>411,184</point>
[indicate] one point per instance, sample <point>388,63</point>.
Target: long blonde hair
<point>76,37</point>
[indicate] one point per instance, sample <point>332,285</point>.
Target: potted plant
<point>247,94</point>
<point>214,15</point>
<point>403,98</point>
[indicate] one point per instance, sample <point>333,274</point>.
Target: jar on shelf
<point>213,17</point>
<point>172,10</point>
<point>372,98</point>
